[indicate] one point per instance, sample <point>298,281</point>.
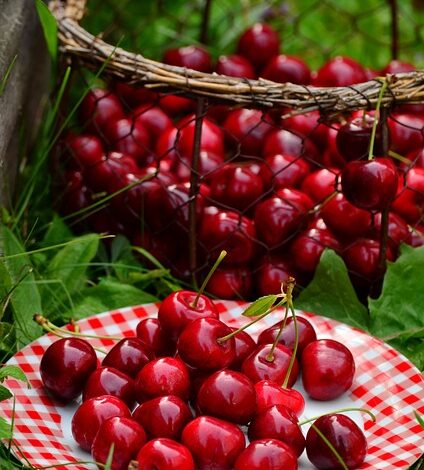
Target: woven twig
<point>93,52</point>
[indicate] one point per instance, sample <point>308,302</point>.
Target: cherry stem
<point>222,255</point>
<point>317,207</point>
<point>376,119</point>
<point>342,410</point>
<point>331,447</point>
<point>244,327</point>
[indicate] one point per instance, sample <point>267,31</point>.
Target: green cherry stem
<point>342,410</point>
<point>376,119</point>
<point>221,256</point>
<point>331,447</point>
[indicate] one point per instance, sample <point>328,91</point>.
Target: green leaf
<point>260,306</point>
<point>7,337</point>
<point>331,293</point>
<point>5,429</point>
<point>12,371</point>
<point>57,232</point>
<point>399,308</point>
<point>49,25</point>
<point>5,393</point>
<point>420,419</point>
<point>413,349</point>
<point>17,283</point>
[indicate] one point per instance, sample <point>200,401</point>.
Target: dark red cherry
<point>132,96</point>
<point>91,414</point>
<point>287,338</point>
<point>150,332</point>
<point>161,377</point>
<point>340,71</point>
<point>272,271</point>
<point>209,162</point>
<point>199,347</point>
<point>66,365</point>
<point>305,125</point>
<point>84,150</point>
<point>175,105</point>
<point>231,283</point>
<point>214,443</point>
<point>191,57</point>
<point>409,202</point>
<point>258,366</point>
<point>212,139</point>
<point>109,381</point>
<point>125,435</point>
<point>128,355</point>
<point>328,369</point>
<point>99,108</point>
<point>370,184</point>
<point>282,171</point>
<point>397,66</point>
<point>284,68</point>
<point>278,422</point>
<point>269,393</point>
<point>267,454</point>
<point>244,345</point>
<point>258,44</point>
<point>282,141</point>
<point>234,66</point>
<point>406,132</point>
<point>344,435</point>
<point>178,310</point>
<point>398,231</point>
<point>163,454</point>
<point>163,416</point>
<point>320,184</point>
<point>153,119</point>
<point>295,197</point>
<point>228,395</point>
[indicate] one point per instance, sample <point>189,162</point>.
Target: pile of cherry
<point>264,181</point>
<point>201,386</point>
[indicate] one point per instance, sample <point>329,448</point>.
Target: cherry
<point>269,393</point>
<point>66,365</point>
<point>259,366</point>
<point>153,119</point>
<point>231,283</point>
<point>285,142</point>
<point>236,187</point>
<point>161,377</point>
<point>282,171</point>
<point>406,132</point>
<point>84,150</point>
<point>266,454</point>
<point>340,71</point>
<point>344,436</point>
<point>305,125</point>
<point>175,105</point>
<point>244,345</point>
<point>180,308</point>
<point>199,347</point>
<point>245,130</point>
<point>295,197</point>
<point>192,57</point>
<point>128,355</point>
<point>272,271</point>
<point>409,202</point>
<point>370,184</point>
<point>287,338</point>
<point>307,248</point>
<point>163,454</point>
<point>328,369</point>
<point>99,107</point>
<point>133,96</point>
<point>278,422</point>
<point>91,414</point>
<point>284,68</point>
<point>258,44</point>
<point>76,194</point>
<point>344,219</point>
<point>416,236</point>
<point>208,163</point>
<point>211,138</point>
<point>109,381</point>
<point>229,231</point>
<point>150,332</point>
<point>398,231</point>
<point>228,395</point>
<point>163,416</point>
<point>397,66</point>
<point>214,443</point>
<point>234,66</point>
<point>320,184</point>
<point>125,435</point>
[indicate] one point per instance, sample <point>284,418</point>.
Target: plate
<point>385,382</point>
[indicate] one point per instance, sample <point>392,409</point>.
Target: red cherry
<point>125,435</point>
<point>284,68</point>
<point>66,365</point>
<point>258,44</point>
<point>278,422</point>
<point>99,107</point>
<point>161,377</point>
<point>109,381</point>
<point>244,345</point>
<point>269,393</point>
<point>163,416</point>
<point>175,105</point>
<point>406,132</point>
<point>295,197</point>
<point>320,184</point>
<point>234,66</point>
<point>209,162</point>
<point>211,138</point>
<point>177,310</point>
<point>150,332</point>
<point>128,355</point>
<point>267,454</point>
<point>199,347</point>
<point>228,395</point>
<point>398,231</point>
<point>257,365</point>
<point>409,202</point>
<point>84,150</point>
<point>281,171</point>
<point>306,125</point>
<point>191,57</point>
<point>344,435</point>
<point>91,414</point>
<point>133,96</point>
<point>214,443</point>
<point>231,283</point>
<point>288,338</point>
<point>282,141</point>
<point>272,271</point>
<point>153,119</point>
<point>163,454</point>
<point>340,71</point>
<point>328,369</point>
<point>397,66</point>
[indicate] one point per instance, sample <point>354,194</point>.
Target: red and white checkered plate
<point>385,382</point>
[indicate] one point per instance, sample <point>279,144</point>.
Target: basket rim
<point>77,44</point>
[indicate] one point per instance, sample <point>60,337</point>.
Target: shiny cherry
<point>84,150</point>
<point>267,454</point>
<point>282,171</point>
<point>163,454</point>
<point>320,184</point>
<point>234,66</point>
<point>99,107</point>
<point>244,345</point>
<point>258,44</point>
<point>284,68</point>
<point>406,132</point>
<point>397,66</point>
<point>398,231</point>
<point>153,119</point>
<point>340,71</point>
<point>269,393</point>
<point>150,332</point>
<point>272,271</point>
<point>285,142</point>
<point>231,283</point>
<point>192,57</point>
<point>212,139</point>
<point>409,202</point>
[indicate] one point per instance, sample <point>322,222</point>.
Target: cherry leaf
<point>5,393</point>
<point>5,429</point>
<point>14,372</point>
<point>260,306</point>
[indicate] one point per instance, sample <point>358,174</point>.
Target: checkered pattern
<point>385,382</point>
